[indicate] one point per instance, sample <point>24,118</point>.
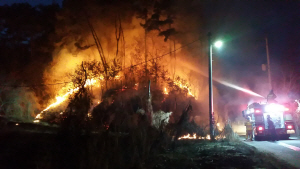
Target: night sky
<point>32,2</point>
<point>246,25</point>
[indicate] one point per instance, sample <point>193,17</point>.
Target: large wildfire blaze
<point>60,99</point>
<point>126,52</point>
<point>128,48</point>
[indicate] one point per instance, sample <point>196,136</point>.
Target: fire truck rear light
<point>260,128</point>
<point>257,111</point>
<point>289,127</point>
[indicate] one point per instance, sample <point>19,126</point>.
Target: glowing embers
<point>188,137</point>
<point>194,137</point>
<point>136,86</point>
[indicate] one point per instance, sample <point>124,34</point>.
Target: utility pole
<point>210,93</point>
<point>269,67</point>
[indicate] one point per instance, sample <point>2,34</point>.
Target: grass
<point>141,148</point>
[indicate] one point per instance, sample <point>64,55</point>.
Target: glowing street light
<point>217,44</point>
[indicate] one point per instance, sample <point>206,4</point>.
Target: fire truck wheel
<point>258,138</point>
<point>285,137</point>
<point>255,137</point>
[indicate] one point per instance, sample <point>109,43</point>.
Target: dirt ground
<point>27,150</point>
<point>220,154</point>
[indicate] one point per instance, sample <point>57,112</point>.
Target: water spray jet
<point>238,88</point>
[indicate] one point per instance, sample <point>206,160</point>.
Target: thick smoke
<point>21,104</point>
<point>77,43</point>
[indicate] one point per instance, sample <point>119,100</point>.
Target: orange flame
<point>166,92</point>
<point>195,137</point>
<point>188,137</point>
<point>184,86</point>
<point>90,82</point>
<point>60,99</point>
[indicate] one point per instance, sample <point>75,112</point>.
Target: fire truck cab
<point>280,115</point>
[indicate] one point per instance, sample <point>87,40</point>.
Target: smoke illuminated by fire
<point>129,52</point>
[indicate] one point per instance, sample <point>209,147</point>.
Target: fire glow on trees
<point>184,87</point>
<point>121,39</point>
<point>93,82</point>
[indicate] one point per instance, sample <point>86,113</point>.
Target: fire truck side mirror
<point>243,112</point>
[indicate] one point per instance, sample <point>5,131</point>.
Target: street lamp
<point>217,44</point>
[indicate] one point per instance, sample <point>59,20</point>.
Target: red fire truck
<point>280,114</point>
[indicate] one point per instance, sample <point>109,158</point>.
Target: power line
<point>34,85</point>
<point>39,85</point>
<point>162,55</point>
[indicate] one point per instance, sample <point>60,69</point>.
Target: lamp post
<point>211,108</point>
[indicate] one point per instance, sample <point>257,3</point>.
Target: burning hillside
<point>105,50</point>
<point>116,84</point>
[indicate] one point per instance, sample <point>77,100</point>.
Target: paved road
<point>287,150</point>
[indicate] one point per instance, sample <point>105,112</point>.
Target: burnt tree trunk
<point>183,122</point>
<point>149,105</point>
